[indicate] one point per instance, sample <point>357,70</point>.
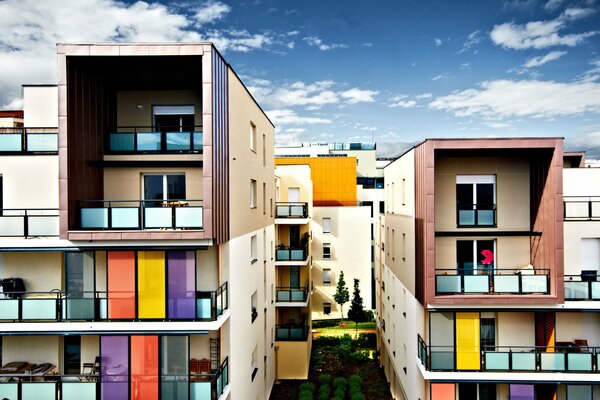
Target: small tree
<point>341,295</point>
<point>357,311</point>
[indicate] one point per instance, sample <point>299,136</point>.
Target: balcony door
<point>174,118</point>
<point>163,188</point>
<point>475,257</point>
<point>295,236</point>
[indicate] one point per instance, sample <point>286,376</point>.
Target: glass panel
<point>485,217</point>
<point>496,361</point>
<point>79,277</point>
<point>72,354</point>
<point>298,295</point>
<point>441,333</point>
<point>579,361</point>
<point>534,283</point>
<point>114,371</point>
<point>155,217</point>
<point>176,187</point>
<point>178,140</point>
<point>197,140</point>
<point>200,390</point>
<point>10,142</point>
<point>576,210</point>
<point>595,295</point>
<point>595,209</point>
<point>464,257</point>
<point>282,211</point>
<point>174,368</point>
<point>38,391</point>
<point>521,392</point>
<point>144,367</point>
<point>523,361</point>
<point>579,392</point>
<point>43,225</point>
<point>153,190</point>
<point>297,255</point>
<point>182,284</point>
<point>188,217</point>
<point>296,333</point>
<point>467,341</point>
<point>125,217</point>
<point>443,391</point>
<point>42,142</point>
<point>38,308</point>
<point>149,141</point>
<point>9,390</point>
<point>12,226</point>
<point>477,284</point>
<point>121,284</point>
<point>78,391</point>
<point>466,217</point>
<point>447,284</point>
<point>151,284</point>
<point>553,361</point>
<point>203,308</point>
<point>9,309</point>
<point>296,211</point>
<point>79,309</point>
<point>506,284</point>
<point>121,142</point>
<point>576,290</point>
<point>283,333</point>
<point>283,295</point>
<point>283,254</point>
<point>94,217</point>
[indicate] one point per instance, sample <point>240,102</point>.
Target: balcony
<point>28,141</point>
<point>582,287</point>
<point>475,215</point>
<point>294,297</point>
<point>154,140</point>
<point>28,223</point>
<point>140,214</point>
<point>567,357</point>
<point>582,208</point>
<point>58,306</point>
<point>493,282</point>
<point>284,253</point>
<point>290,332</point>
<point>291,210</point>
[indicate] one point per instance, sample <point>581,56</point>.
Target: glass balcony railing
<point>292,332</point>
<point>582,287</point>
<point>581,208</point>
<point>155,140</point>
<point>291,210</point>
<point>474,215</point>
<point>29,140</point>
<point>141,214</point>
<point>497,281</point>
<point>27,223</point>
<point>210,386</point>
<point>292,295</point>
<point>283,253</point>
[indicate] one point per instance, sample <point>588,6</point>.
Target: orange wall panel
<point>121,284</point>
<point>144,367</point>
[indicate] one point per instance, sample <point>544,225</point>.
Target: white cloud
<point>293,33</point>
<point>533,98</point>
<point>588,142</point>
<point>438,41</point>
<point>541,60</point>
<point>473,38</point>
<point>541,34</point>
<point>290,117</point>
<point>315,41</point>
<point>240,40</point>
<point>552,5</point>
<point>498,125</point>
<point>289,136</point>
<point>592,74</point>
<point>403,104</point>
<point>356,95</point>
<point>424,96</point>
<point>210,12</point>
<point>445,75</point>
<point>290,45</point>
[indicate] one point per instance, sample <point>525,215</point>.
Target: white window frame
<point>165,189</point>
<point>327,272</point>
<point>326,225</point>
<point>252,136</point>
<point>252,193</point>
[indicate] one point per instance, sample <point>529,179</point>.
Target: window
<point>326,276</point>
<point>264,150</point>
<point>253,249</point>
<point>1,196</point>
<point>177,125</point>
<point>326,250</point>
<point>382,207</point>
<point>252,193</point>
<point>254,311</point>
<point>403,191</point>
<point>475,255</point>
<point>393,245</point>
<point>264,200</point>
<point>252,137</point>
<point>253,362</point>
<point>163,187</point>
<point>476,200</point>
<point>326,225</point>
<point>72,354</point>
<point>326,308</point>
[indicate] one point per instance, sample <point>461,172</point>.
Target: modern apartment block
<point>138,213</point>
<point>488,255</point>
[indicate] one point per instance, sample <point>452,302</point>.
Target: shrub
<point>340,391</point>
<point>367,341</point>
<point>369,316</point>
<point>306,396</point>
<point>307,386</point>
<point>325,379</point>
<point>325,323</point>
<point>357,396</point>
<point>355,379</point>
<point>324,392</point>
<point>340,381</point>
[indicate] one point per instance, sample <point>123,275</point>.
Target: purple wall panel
<point>522,392</point>
<point>182,284</point>
<point>114,371</point>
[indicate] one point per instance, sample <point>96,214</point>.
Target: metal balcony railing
<point>140,214</point>
<point>582,287</point>
<point>580,208</point>
<point>493,282</point>
<point>474,215</point>
<point>291,332</point>
<point>291,210</point>
<point>29,222</point>
<point>283,253</point>
<point>292,294</point>
<point>155,140</point>
<point>28,140</point>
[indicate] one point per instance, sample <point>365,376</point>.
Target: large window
<point>476,200</point>
<point>475,256</point>
<point>163,188</point>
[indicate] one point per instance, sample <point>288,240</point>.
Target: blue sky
<point>390,71</point>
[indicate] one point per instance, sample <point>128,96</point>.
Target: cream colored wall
<point>295,176</point>
<point>511,252</point>
<point>366,166</point>
<point>128,113</point>
<point>350,240</point>
<point>40,271</point>
<point>10,122</point>
<point>578,325</point>
<point>574,231</point>
<point>90,349</point>
<point>200,345</point>
<point>126,183</point>
<point>293,359</point>
<point>515,329</point>
<point>512,189</point>
<point>40,106</point>
<point>245,164</point>
<point>101,271</point>
<point>29,181</point>
<point>32,349</point>
<point>207,269</point>
<point>581,182</point>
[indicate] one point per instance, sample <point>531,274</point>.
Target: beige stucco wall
<point>29,181</point>
<point>293,359</point>
<point>32,349</point>
<point>90,349</point>
<point>40,106</point>
<point>512,189</point>
<point>128,113</point>
<point>515,329</point>
<point>511,252</point>
<point>40,271</point>
<point>578,325</point>
<point>294,176</point>
<point>366,162</point>
<point>200,345</point>
<point>245,164</point>
<point>350,240</point>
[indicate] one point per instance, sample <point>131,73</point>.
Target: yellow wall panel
<point>151,284</point>
<point>467,341</point>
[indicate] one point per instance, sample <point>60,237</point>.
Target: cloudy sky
<point>391,71</point>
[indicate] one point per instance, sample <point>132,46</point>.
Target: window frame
<point>327,256</point>
<point>475,180</point>
<point>327,272</point>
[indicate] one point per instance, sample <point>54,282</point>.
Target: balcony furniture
<point>200,369</point>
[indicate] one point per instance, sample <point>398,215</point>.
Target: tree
<point>357,311</point>
<point>341,295</point>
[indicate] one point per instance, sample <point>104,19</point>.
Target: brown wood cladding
<point>220,148</point>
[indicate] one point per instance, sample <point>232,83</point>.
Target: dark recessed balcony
<point>28,141</point>
<point>493,282</point>
<point>30,222</point>
<point>291,210</point>
<point>155,140</point>
<point>140,214</point>
<point>475,215</point>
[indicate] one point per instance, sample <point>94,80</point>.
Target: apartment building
<point>138,213</point>
<point>483,291</point>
